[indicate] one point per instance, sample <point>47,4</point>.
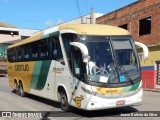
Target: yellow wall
<point>154,55</point>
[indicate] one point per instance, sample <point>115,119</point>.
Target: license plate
<point>120,102</point>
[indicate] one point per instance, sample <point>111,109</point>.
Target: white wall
<point>9,38</point>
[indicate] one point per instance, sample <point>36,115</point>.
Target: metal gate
<point>158,74</point>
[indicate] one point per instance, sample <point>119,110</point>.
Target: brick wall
<point>131,15</point>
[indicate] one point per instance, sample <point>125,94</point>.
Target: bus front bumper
<point>97,103</point>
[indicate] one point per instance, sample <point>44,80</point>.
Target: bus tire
<point>64,102</point>
<point>21,91</point>
<point>17,89</point>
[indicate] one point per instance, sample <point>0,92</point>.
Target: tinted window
<point>45,49</point>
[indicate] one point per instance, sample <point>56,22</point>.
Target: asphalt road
<point>11,102</point>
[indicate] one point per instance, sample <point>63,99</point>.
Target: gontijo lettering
<point>22,67</point>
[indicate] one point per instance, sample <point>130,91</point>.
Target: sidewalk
<point>153,90</point>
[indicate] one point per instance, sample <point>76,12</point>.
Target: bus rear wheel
<point>21,91</point>
<point>17,89</point>
<point>64,102</point>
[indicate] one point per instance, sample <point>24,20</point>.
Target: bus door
<point>74,59</point>
<point>77,67</point>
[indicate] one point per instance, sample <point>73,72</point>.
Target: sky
<point>42,14</point>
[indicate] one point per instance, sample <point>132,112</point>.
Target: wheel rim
<point>17,88</point>
<point>64,101</point>
<point>21,90</point>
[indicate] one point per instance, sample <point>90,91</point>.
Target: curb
<point>152,90</point>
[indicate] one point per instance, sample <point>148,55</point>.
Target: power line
<point>78,7</point>
<point>86,6</point>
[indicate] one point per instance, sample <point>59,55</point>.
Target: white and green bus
<point>87,66</point>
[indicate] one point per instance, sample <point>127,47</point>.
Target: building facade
<point>87,19</point>
<point>9,34</point>
<point>142,20</point>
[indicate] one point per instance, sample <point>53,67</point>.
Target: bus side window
<point>54,50</point>
<point>14,55</point>
<point>26,52</point>
<point>67,38</point>
<point>43,49</point>
<point>67,46</point>
<point>11,55</point>
<point>50,53</point>
<point>35,51</point>
<point>77,64</point>
<point>22,53</point>
<point>18,54</point>
<point>57,52</point>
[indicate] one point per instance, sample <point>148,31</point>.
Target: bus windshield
<point>111,59</point>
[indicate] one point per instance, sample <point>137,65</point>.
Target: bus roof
<point>95,29</point>
<point>87,29</point>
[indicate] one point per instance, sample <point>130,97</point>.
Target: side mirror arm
<point>83,49</point>
<point>145,49</point>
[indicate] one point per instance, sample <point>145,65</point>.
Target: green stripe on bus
<point>43,74</point>
<point>36,72</point>
<point>49,35</point>
<point>135,86</point>
<point>45,36</point>
<point>126,89</point>
<point>54,33</point>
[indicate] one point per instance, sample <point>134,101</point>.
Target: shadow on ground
<point>113,112</point>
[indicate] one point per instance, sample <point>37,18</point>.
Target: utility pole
<point>81,20</point>
<point>91,16</point>
<point>130,20</point>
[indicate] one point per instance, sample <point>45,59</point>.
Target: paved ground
<point>9,101</point>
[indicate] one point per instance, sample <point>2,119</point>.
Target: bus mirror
<point>83,49</point>
<point>145,49</point>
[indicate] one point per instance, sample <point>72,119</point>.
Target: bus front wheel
<point>64,102</point>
